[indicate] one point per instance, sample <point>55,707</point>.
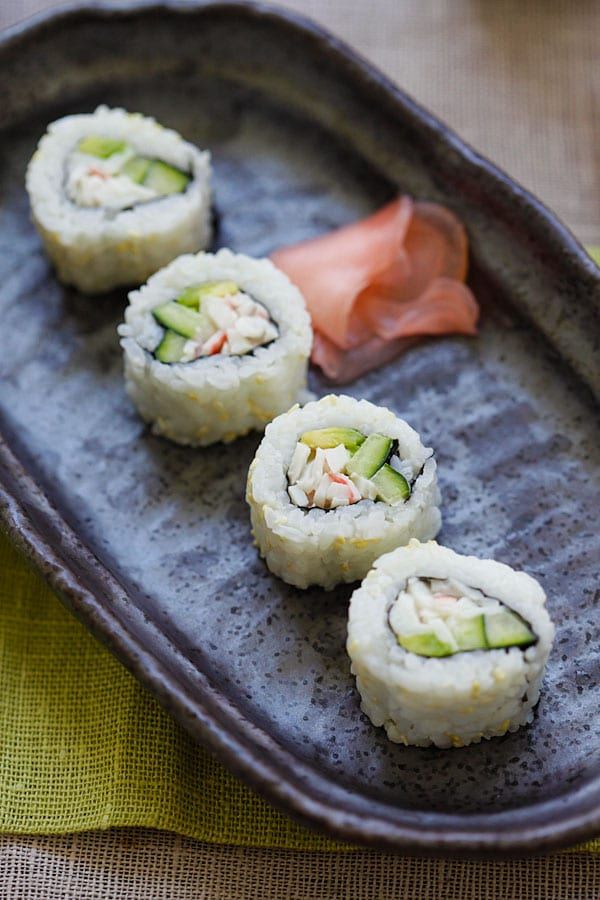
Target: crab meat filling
<point>317,478</point>
<point>101,172</point>
<point>234,325</point>
<point>434,617</point>
<point>209,319</point>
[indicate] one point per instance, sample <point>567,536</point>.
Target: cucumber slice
<point>425,644</point>
<point>192,296</point>
<point>328,438</point>
<point>507,629</point>
<point>392,487</point>
<point>102,147</point>
<point>136,168</point>
<point>170,349</point>
<point>165,179</point>
<point>180,319</point>
<point>370,456</point>
<point>469,633</point>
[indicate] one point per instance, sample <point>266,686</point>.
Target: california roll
<point>215,345</point>
<point>447,649</point>
<point>336,483</point>
<point>115,196</point>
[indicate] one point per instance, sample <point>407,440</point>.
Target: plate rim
<point>289,783</point>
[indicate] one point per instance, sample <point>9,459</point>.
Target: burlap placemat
<point>145,865</point>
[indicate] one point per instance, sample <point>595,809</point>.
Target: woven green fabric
<point>594,253</point>
<point>83,746</point>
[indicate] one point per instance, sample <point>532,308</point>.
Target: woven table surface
<point>521,83</point>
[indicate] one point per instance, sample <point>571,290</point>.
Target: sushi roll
<point>335,484</point>
<point>115,196</point>
<point>447,649</point>
<point>215,345</point>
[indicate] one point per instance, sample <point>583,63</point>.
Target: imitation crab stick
<point>376,285</point>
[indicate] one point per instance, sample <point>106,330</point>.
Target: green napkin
<point>84,746</point>
<point>594,253</point>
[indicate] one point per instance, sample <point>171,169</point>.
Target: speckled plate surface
<point>149,543</point>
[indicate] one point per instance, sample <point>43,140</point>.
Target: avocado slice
<point>507,629</point>
<point>425,644</point>
<point>392,487</point>
<point>192,296</point>
<point>469,633</point>
<point>165,179</point>
<point>370,456</point>
<point>102,147</point>
<point>136,168</point>
<point>178,318</point>
<point>328,438</point>
<point>170,349</point>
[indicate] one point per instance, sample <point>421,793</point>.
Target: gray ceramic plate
<point>149,543</point>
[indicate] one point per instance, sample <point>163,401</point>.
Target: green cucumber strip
<point>370,456</point>
<point>192,296</point>
<point>469,633</point>
<point>328,438</point>
<point>136,168</point>
<point>392,487</point>
<point>165,179</point>
<point>186,322</point>
<point>425,644</point>
<point>102,147</point>
<point>507,629</point>
<point>170,349</point>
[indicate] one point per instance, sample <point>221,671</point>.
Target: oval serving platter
<point>149,543</point>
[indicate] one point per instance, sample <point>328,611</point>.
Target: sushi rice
<point>457,697</point>
<point>307,546</point>
<point>97,241</point>
<point>218,397</point>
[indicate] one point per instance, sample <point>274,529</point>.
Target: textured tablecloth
<point>521,82</point>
